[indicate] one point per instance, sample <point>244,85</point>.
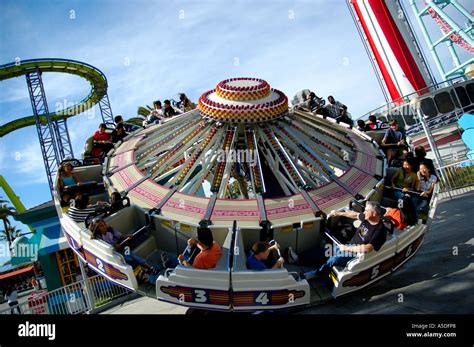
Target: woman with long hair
<point>405,179</point>
<point>426,185</point>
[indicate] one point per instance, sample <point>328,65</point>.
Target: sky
<point>152,50</point>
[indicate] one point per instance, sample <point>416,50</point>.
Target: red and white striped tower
<point>392,47</point>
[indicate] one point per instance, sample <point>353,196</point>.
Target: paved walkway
<point>438,279</point>
<point>145,305</point>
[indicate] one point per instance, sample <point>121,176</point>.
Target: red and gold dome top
<point>243,99</point>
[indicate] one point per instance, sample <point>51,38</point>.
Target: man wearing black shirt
<point>169,111</point>
<point>369,236</point>
<point>119,133</point>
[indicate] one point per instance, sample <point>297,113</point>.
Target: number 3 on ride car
<point>200,295</point>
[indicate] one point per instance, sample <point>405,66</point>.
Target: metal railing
<point>459,178</point>
<point>76,298</point>
<point>405,100</point>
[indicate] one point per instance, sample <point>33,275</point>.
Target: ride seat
<point>129,220</point>
<point>217,277</point>
<point>376,135</point>
<point>367,260</point>
<point>88,146</point>
<point>387,200</point>
<point>222,263</point>
<point>240,260</point>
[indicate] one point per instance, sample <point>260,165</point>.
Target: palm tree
<point>6,211</point>
<point>11,231</point>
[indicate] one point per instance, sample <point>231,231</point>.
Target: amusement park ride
<point>176,176</point>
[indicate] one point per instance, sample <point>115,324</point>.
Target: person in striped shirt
<point>81,208</point>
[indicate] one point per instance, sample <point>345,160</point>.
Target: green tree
<point>12,231</point>
<point>7,211</point>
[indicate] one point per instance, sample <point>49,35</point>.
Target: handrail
<point>407,98</point>
<point>332,238</point>
<point>404,191</point>
<point>471,161</point>
<point>74,298</point>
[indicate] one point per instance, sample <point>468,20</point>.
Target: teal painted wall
<point>51,272</point>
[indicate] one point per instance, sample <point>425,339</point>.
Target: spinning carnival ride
<point>178,176</point>
<point>249,168</point>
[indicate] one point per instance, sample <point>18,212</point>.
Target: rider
<point>207,258</point>
<point>369,237</point>
<point>403,215</point>
<point>155,115</point>
<point>168,110</point>
<point>210,251</point>
<point>373,123</point>
<point>426,185</point>
<point>259,254</point>
<point>336,109</point>
<point>394,139</point>
<point>102,141</point>
<point>67,179</point>
<point>100,229</point>
<point>405,179</point>
<point>185,104</point>
<point>119,133</point>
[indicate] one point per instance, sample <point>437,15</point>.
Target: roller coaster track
<point>95,77</point>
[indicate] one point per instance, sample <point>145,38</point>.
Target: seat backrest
<point>309,236</point>
<point>128,219</point>
<point>223,262</point>
<point>88,145</point>
<point>377,135</point>
<point>240,257</point>
<point>145,248</point>
<point>286,235</point>
<point>391,171</point>
<point>89,173</point>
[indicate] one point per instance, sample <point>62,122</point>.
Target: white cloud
<point>26,162</point>
<point>168,55</point>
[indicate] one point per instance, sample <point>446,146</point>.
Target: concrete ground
<point>146,305</point>
<point>439,279</point>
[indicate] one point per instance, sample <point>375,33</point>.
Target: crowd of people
<point>160,112</point>
<point>202,252</point>
<point>416,175</point>
<point>333,108</point>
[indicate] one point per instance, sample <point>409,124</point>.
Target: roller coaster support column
<point>62,139</point>
<point>105,109</point>
<point>48,144</point>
